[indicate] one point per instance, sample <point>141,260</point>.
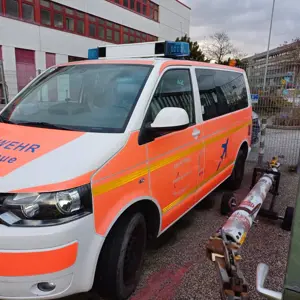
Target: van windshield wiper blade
<point>43,125</point>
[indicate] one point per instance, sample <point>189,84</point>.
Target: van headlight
<point>47,207</point>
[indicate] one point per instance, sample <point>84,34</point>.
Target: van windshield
<point>91,97</point>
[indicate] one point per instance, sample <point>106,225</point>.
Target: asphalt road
<point>176,267</point>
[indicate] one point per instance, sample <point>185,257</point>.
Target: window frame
<point>4,8</point>
<point>167,70</point>
<point>30,3</point>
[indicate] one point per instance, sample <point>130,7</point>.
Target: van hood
<point>43,159</point>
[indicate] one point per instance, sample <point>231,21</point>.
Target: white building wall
<point>174,21</point>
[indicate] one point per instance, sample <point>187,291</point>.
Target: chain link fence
<point>279,106</point>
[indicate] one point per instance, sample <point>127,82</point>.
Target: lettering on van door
<point>224,153</point>
<point>182,171</point>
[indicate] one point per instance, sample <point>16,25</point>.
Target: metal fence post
<point>298,165</point>
<point>262,142</point>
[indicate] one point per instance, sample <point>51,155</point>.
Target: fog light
<point>46,287</point>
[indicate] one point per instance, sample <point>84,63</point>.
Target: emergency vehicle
<point>98,157</point>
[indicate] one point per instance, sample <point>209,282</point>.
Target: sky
<point>247,22</point>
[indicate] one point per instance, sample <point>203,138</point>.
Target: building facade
<point>36,34</point>
<point>283,68</point>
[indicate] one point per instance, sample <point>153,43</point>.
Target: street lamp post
<point>268,50</point>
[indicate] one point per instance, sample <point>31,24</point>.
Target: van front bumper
<point>65,256</point>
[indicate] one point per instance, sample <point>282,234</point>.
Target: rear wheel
<point>228,203</point>
<point>120,264</point>
<point>234,182</point>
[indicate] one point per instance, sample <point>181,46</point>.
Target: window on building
<point>80,26</point>
<point>45,12</point>
<point>174,90</point>
<point>58,16</point>
<point>28,10</point>
<point>92,26</point>
<point>12,8</point>
<point>143,7</point>
<point>153,11</point>
<point>79,22</point>
<point>132,4</point>
<point>125,38</point>
<point>1,9</point>
<point>45,17</point>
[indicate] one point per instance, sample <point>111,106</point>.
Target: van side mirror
<point>261,275</point>
<point>170,119</point>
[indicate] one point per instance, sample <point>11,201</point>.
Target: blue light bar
<point>177,49</point>
<point>93,53</point>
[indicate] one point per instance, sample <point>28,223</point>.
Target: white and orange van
<point>99,156</point>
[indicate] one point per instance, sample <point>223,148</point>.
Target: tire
<point>288,219</point>
<point>228,203</point>
<point>234,182</point>
<point>121,259</point>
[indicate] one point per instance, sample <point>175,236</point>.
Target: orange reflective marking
<point>64,185</point>
<point>183,63</point>
<point>37,263</point>
<point>20,145</point>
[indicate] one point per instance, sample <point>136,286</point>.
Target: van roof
<point>163,62</point>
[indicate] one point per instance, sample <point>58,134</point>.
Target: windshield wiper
<point>4,120</point>
<point>43,125</point>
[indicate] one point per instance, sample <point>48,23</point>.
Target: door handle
<point>196,133</point>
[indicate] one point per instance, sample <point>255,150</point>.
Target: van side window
<point>221,92</point>
<point>173,90</point>
<point>232,86</point>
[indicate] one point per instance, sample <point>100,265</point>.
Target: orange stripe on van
<point>183,63</point>
<point>37,263</point>
<point>59,186</point>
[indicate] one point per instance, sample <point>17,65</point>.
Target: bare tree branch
<point>219,46</point>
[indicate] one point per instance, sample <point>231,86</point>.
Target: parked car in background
<point>256,126</point>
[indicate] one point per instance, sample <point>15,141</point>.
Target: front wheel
<point>120,264</point>
<point>234,182</point>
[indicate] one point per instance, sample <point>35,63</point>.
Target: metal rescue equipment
<point>224,245</point>
<point>167,49</point>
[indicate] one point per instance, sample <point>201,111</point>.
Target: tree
<point>219,47</point>
<point>196,53</point>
